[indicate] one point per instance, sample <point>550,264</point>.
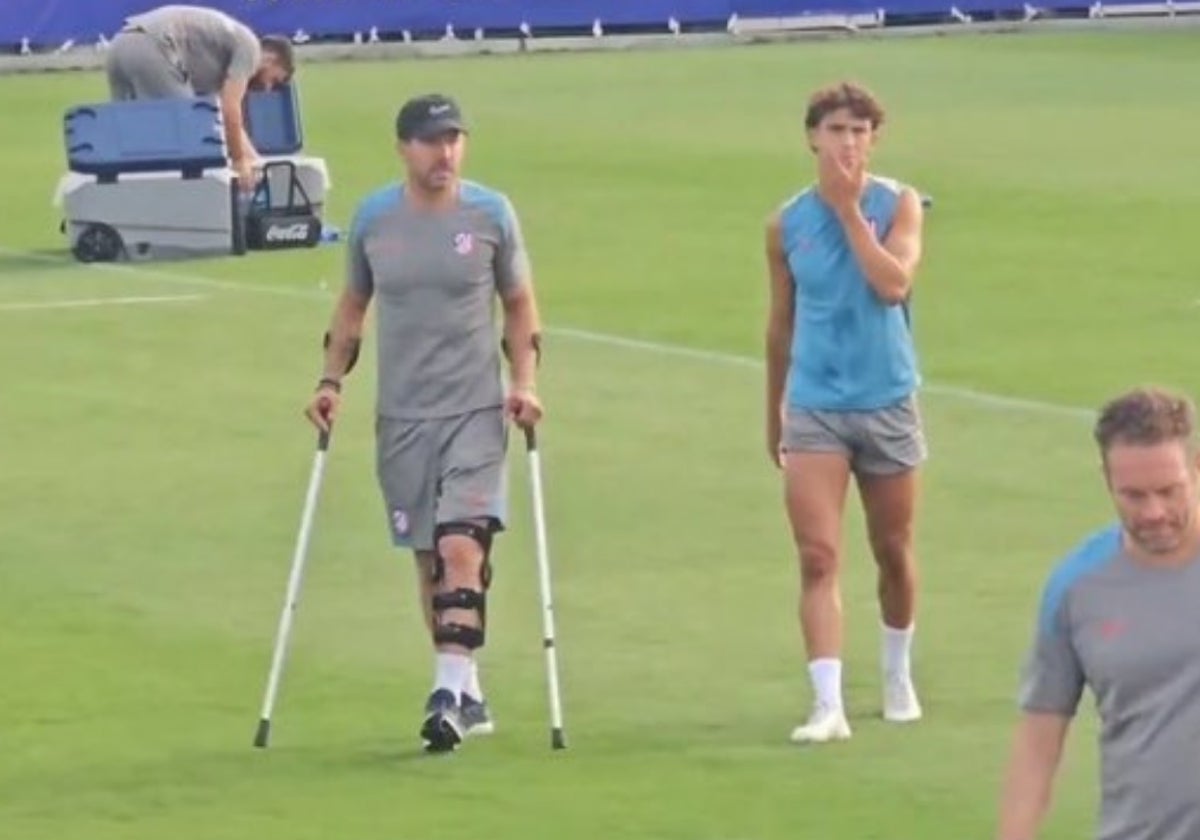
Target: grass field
<point>154,459</point>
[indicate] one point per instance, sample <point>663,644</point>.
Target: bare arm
<point>779,332</point>
<point>522,324</point>
<point>345,333</point>
<point>522,331</point>
<point>1036,750</point>
<point>891,265</point>
<point>238,141</point>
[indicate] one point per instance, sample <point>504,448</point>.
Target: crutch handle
<point>323,439</point>
<point>531,438</point>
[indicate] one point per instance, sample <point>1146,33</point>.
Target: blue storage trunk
<point>273,120</point>
<point>152,135</point>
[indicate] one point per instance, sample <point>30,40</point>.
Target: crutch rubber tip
<point>263,734</point>
<point>557,740</point>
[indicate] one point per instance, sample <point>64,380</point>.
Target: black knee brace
<point>462,599</point>
<point>482,534</point>
<point>453,633</point>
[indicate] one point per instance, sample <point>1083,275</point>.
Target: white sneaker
<point>825,724</point>
<point>900,703</point>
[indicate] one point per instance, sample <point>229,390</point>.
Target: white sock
<point>453,671</point>
<point>473,688</point>
<point>897,651</point>
<point>826,677</point>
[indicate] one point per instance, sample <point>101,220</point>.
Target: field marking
<point>994,401</point>
<point>84,303</point>
<point>149,273</point>
<point>998,402</point>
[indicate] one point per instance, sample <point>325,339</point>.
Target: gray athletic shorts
<point>142,67</point>
<point>443,470</point>
<point>885,441</point>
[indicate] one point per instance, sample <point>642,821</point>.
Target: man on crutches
<point>435,252</point>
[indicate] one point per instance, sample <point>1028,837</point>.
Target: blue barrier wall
<point>50,23</point>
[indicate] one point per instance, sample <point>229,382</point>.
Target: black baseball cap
<point>423,117</point>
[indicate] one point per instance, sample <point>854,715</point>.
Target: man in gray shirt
<point>436,252</point>
<point>184,51</point>
<point>1121,615</point>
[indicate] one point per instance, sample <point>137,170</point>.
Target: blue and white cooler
<point>150,180</point>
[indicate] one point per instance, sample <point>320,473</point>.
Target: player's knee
<point>818,561</point>
<point>463,542</point>
<point>461,554</point>
<point>463,549</point>
<point>893,551</point>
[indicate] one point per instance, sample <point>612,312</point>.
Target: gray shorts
<point>140,66</point>
<point>443,470</point>
<point>885,441</point>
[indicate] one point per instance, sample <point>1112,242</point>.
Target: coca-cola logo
<point>297,232</point>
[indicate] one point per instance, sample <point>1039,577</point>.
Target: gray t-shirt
<point>209,45</point>
<point>1131,633</point>
<point>435,277</point>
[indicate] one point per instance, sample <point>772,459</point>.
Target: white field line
<point>85,303</point>
<point>985,399</point>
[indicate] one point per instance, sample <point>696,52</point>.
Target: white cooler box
<point>165,215</point>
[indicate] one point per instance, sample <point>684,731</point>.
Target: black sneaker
<point>476,717</point>
<point>442,730</point>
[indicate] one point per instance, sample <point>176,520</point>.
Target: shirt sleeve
<point>245,54</point>
<point>359,277</point>
<point>511,265</point>
<point>1052,678</point>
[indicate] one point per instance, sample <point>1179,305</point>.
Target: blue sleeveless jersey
<point>850,351</point>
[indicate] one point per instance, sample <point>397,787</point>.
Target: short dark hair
<point>281,47</point>
<point>861,103</point>
<point>1145,416</point>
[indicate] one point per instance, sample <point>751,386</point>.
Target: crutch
<point>557,737</point>
<point>293,589</point>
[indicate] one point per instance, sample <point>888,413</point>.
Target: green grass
<point>154,459</point>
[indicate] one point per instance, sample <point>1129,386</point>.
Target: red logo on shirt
<point>1110,628</point>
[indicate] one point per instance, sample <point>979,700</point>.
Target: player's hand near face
<point>841,180</point>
